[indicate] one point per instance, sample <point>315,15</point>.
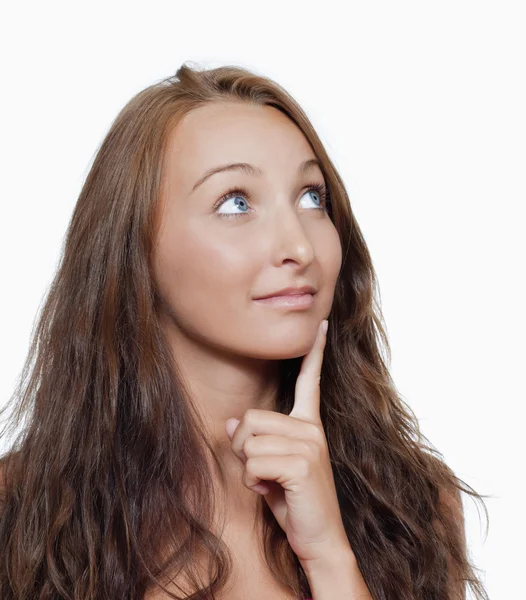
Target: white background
<point>421,107</point>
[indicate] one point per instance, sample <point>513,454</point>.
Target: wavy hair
<point>98,484</point>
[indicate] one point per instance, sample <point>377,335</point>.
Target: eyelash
<point>319,188</point>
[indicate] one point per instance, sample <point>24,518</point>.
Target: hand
<point>287,460</point>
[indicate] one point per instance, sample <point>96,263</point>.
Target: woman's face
<point>212,262</point>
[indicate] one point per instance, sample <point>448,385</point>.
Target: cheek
<point>330,256</point>
<point>203,277</point>
<point>338,254</point>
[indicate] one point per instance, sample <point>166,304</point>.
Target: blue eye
<point>240,194</point>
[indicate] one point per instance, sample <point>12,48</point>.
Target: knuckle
<point>304,466</point>
<point>249,415</point>
<point>248,445</point>
<point>306,446</point>
<point>312,449</point>
<point>316,433</point>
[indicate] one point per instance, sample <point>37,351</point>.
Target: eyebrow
<point>251,170</point>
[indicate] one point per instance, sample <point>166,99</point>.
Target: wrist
<point>332,562</point>
<point>336,577</point>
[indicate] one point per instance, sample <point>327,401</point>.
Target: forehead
<point>220,133</point>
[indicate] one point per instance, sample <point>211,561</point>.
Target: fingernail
<point>325,325</point>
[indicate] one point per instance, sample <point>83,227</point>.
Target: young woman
<point>185,438</point>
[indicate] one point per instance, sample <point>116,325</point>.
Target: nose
<point>290,239</point>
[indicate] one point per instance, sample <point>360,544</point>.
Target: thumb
<point>231,426</point>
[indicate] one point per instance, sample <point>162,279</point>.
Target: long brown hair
<point>96,483</point>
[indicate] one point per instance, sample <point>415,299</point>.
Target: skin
<point>209,268</point>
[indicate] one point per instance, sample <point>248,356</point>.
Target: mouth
<point>293,301</point>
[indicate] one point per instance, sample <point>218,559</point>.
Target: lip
<point>290,301</point>
<point>289,291</point>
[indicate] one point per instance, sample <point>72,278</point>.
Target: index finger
<point>307,390</point>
